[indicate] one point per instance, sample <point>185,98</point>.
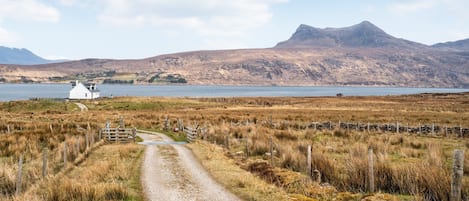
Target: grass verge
<point>240,182</point>
<point>176,136</point>
<point>111,172</point>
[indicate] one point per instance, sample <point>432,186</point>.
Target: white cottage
<point>83,91</point>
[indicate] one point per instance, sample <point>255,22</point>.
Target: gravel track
<point>171,172</point>
<point>82,107</point>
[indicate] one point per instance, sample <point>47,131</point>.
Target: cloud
<point>77,3</point>
<point>369,9</point>
<point>68,2</point>
<point>204,17</point>
<point>412,6</point>
<point>28,10</point>
<point>7,37</point>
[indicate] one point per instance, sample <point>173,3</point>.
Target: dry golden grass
<point>109,173</point>
<point>405,163</point>
<point>237,180</point>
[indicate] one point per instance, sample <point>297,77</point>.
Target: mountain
<point>361,55</point>
<point>460,45</point>
<point>20,57</point>
<point>364,34</point>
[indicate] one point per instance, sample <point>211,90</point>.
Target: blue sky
<point>132,29</point>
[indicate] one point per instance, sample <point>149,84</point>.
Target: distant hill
<point>359,55</point>
<point>21,57</point>
<point>364,34</point>
<point>460,45</point>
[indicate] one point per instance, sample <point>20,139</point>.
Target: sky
<point>134,29</point>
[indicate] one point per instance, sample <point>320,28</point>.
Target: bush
<point>285,135</point>
<point>341,133</point>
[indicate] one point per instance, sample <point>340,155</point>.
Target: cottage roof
<point>89,85</point>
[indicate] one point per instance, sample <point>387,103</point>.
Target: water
<point>25,91</point>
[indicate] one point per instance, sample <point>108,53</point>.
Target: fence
<point>396,127</point>
<point>53,160</point>
<point>392,127</point>
<point>191,134</point>
<point>371,174</point>
<point>60,154</point>
<point>118,135</point>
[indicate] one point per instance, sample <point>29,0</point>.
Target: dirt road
<point>82,107</point>
<point>170,172</point>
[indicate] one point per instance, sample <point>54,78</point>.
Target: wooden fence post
<point>19,176</point>
<point>368,127</point>
<point>460,130</point>
<point>446,130</point>
<point>166,123</point>
<point>271,124</point>
<point>456,180</point>
<point>90,134</point>
<point>247,148</point>
<point>308,162</point>
<point>271,152</point>
<point>87,141</point>
<point>77,144</point>
<point>121,122</point>
<point>433,129</point>
<point>371,177</point>
<point>108,124</point>
<point>65,154</point>
<point>44,162</point>
<point>180,125</point>
<point>397,127</point>
<point>50,127</point>
<point>92,138</point>
<point>8,128</point>
<point>227,142</point>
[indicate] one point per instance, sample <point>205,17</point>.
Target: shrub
<point>285,135</point>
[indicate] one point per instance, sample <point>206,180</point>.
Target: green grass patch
<point>130,106</point>
<point>134,182</point>
<point>135,104</point>
<point>139,139</point>
<point>50,105</point>
<point>176,136</point>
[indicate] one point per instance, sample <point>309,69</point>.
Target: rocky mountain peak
<point>364,34</point>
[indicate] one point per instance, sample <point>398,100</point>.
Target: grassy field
<point>109,173</point>
<point>407,166</point>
